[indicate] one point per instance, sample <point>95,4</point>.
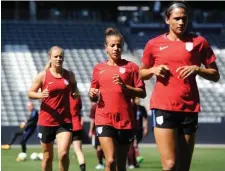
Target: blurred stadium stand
<point>79,30</point>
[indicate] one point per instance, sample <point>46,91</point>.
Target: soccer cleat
<point>21,156</point>
<point>6,147</point>
<point>100,166</point>
<point>140,159</point>
<point>131,167</point>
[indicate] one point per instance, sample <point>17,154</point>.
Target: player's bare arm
<point>159,71</point>
<point>93,94</point>
<point>36,85</point>
<point>129,90</point>
<point>209,73</point>
<point>75,92</point>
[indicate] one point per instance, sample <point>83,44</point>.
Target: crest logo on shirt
<point>66,82</point>
<point>99,130</point>
<point>122,70</point>
<point>189,46</point>
<point>159,120</point>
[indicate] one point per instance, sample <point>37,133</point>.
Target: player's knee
<point>169,164</point>
<point>109,162</point>
<point>63,155</point>
<point>47,158</point>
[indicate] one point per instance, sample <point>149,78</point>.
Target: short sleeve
<point>95,78</point>
<point>138,83</point>
<point>206,52</point>
<point>147,58</point>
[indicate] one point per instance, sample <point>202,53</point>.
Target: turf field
<point>204,159</point>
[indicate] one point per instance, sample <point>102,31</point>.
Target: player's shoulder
<point>195,37</point>
<point>100,65</point>
<point>41,75</point>
<point>156,39</point>
<point>131,64</point>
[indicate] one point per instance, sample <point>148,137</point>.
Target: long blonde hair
<point>48,65</point>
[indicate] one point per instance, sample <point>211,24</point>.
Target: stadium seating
<point>24,53</point>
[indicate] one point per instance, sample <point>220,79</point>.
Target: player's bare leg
<point>47,150</point>
<point>77,146</point>
<point>63,144</point>
<point>108,147</point>
<point>165,140</point>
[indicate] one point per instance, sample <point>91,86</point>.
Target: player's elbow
<point>29,94</point>
<point>216,77</point>
<point>142,94</point>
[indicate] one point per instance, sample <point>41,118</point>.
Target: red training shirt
<point>114,107</point>
<point>176,94</point>
<point>55,108</point>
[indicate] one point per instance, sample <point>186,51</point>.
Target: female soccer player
<point>175,59</point>
<point>115,82</point>
<point>94,139</point>
<point>77,136</point>
<point>54,120</point>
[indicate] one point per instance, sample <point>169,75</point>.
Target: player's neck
<point>174,37</point>
<point>112,62</point>
<point>57,72</point>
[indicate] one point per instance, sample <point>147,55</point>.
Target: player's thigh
<point>106,136</point>
<point>164,124</point>
<point>63,136</point>
<point>47,150</point>
<point>77,145</point>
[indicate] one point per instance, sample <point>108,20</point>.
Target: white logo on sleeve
<point>99,130</point>
<point>163,47</point>
<point>159,120</point>
<point>50,82</point>
<point>40,135</point>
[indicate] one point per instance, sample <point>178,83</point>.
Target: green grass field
<point>204,159</point>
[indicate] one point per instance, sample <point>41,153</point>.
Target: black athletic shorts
<point>122,136</point>
<point>47,134</point>
<point>77,135</point>
<point>186,122</point>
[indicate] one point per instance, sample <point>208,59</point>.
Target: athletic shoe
<point>140,159</point>
<point>100,167</point>
<point>131,167</point>
<point>6,147</point>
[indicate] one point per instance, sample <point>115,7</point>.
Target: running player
<point>115,82</point>
<point>27,129</point>
<point>77,137</point>
<point>141,128</point>
<point>175,59</point>
<point>94,138</point>
<point>56,84</point>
